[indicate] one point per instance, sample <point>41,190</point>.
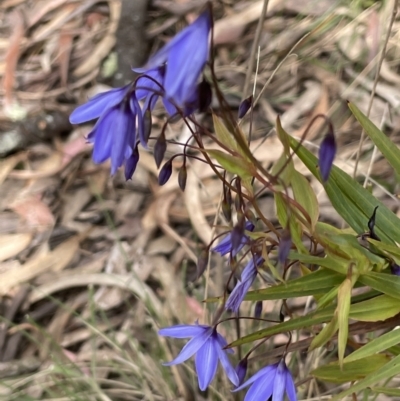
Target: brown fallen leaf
<point>195,209</point>
<point>12,56</point>
<point>42,261</point>
<point>12,244</point>
<point>104,47</point>
<point>34,211</point>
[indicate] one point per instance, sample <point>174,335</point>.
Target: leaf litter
<point>86,260</point>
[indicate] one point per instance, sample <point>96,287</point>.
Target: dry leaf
<point>41,262</point>
<point>34,211</point>
<point>12,244</point>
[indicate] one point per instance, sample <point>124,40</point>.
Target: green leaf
<point>385,372</point>
<point>382,343</point>
<point>325,334</point>
<point>343,310</point>
<point>382,142</point>
<point>317,282</point>
<point>353,202</point>
<point>386,283</point>
<point>292,324</point>
<point>376,309</point>
<point>223,135</point>
<point>233,164</point>
<point>388,391</point>
<point>305,196</point>
<point>283,216</point>
<point>334,262</point>
<point>351,371</point>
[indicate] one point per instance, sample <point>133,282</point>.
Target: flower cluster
<point>209,347</point>
<point>173,74</point>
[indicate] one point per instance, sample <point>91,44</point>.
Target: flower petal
<point>225,362</point>
<point>290,387</point>
<point>97,105</point>
<point>268,371</point>
<point>186,59</point>
<point>261,390</point>
<point>102,136</point>
<point>206,363</point>
<point>191,347</point>
<point>279,384</point>
<point>124,130</point>
<point>183,331</point>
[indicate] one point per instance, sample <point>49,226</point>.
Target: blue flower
<point>208,345</point>
<point>226,246</point>
<point>273,380</point>
<point>185,57</point>
<point>247,278</point>
<point>326,155</point>
<point>114,135</point>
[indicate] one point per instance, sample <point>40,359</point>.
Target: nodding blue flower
<point>247,278</point>
<point>185,57</point>
<point>208,345</point>
<point>98,105</point>
<point>271,381</point>
<point>326,155</point>
<point>225,246</point>
<point>114,135</point>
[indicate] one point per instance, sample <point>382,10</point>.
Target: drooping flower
<point>185,57</point>
<point>273,380</point>
<point>226,246</point>
<point>114,136</point>
<point>247,278</point>
<point>208,345</point>
<point>326,155</point>
<point>395,269</point>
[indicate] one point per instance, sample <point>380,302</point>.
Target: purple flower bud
<point>241,370</point>
<point>284,246</point>
<point>146,125</point>
<point>131,163</point>
<point>237,235</point>
<point>327,152</point>
<point>182,177</point>
<point>395,269</point>
<point>160,148</point>
<point>165,173</point>
<point>258,309</point>
<point>205,96</point>
<point>245,106</point>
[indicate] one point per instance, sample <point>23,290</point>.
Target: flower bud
<point>245,106</point>
<point>285,244</point>
<point>395,269</point>
<point>241,370</point>
<point>131,163</point>
<point>165,173</point>
<point>147,125</point>
<point>371,226</point>
<point>258,309</point>
<point>182,177</point>
<point>237,235</point>
<point>160,148</point>
<point>205,96</point>
<point>327,152</point>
